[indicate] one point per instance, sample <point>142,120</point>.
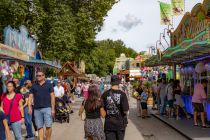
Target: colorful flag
<point>165,13</point>
<point>178,7</point>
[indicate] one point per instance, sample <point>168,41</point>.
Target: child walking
<point>144,98</point>
<point>4,128</point>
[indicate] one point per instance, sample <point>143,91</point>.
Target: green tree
<point>57,39</point>
<point>102,58</point>
<point>21,12</point>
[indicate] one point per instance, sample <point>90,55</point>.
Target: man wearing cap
<point>116,105</point>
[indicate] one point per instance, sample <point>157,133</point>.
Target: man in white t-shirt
<point>59,90</point>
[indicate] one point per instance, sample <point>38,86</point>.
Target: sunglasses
<point>39,75</point>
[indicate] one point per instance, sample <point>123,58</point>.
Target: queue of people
<point>169,100</point>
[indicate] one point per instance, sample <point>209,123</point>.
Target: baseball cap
<point>115,80</point>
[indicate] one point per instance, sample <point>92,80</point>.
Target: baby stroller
<point>62,111</point>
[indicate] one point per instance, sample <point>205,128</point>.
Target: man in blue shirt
<point>44,105</point>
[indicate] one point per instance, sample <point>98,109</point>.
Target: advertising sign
<point>20,40</point>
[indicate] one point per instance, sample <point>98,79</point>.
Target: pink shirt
<point>15,114</point>
<point>199,94</point>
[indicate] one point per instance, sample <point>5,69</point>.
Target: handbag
<point>125,119</point>
<point>83,114</point>
<point>10,108</point>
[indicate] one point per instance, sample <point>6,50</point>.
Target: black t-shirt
<point>2,129</point>
<point>93,114</point>
<point>113,111</point>
<point>25,96</point>
<point>41,93</point>
<point>139,90</point>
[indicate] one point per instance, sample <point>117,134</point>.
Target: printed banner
<point>178,7</point>
<point>165,13</point>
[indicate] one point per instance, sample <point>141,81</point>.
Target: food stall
<point>190,50</point>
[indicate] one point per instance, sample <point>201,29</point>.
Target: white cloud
<point>129,22</point>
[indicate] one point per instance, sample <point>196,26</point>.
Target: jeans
<point>28,122</point>
<point>163,104</point>
<point>43,117</point>
<point>16,128</point>
<point>115,135</point>
<point>158,102</point>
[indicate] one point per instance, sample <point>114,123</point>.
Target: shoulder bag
<point>9,113</point>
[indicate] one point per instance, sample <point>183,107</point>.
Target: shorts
<point>43,117</point>
<point>198,107</point>
<point>143,105</point>
<point>171,103</point>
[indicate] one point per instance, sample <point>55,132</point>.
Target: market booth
<point>190,50</point>
<point>19,57</point>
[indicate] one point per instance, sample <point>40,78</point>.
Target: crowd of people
<point>31,106</point>
<point>167,99</point>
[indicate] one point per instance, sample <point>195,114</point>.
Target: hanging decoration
<point>165,13</point>
<point>200,68</point>
<point>178,7</point>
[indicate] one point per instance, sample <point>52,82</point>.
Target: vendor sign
<point>12,52</point>
<point>20,40</point>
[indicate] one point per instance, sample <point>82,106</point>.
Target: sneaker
<point>29,138</point>
<point>36,134</point>
<point>188,116</point>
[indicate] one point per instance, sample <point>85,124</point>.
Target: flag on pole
<point>165,13</point>
<point>178,7</point>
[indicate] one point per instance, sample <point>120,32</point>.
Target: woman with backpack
<point>12,104</point>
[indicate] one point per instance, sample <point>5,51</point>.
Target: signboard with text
<point>14,53</point>
<point>20,40</point>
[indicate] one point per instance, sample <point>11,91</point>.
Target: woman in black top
<point>139,90</point>
<point>94,111</point>
<point>179,103</point>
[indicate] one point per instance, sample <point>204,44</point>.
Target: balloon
<point>182,70</point>
<point>207,66</point>
<point>135,94</point>
<point>190,70</point>
<point>200,67</point>
<point>185,70</point>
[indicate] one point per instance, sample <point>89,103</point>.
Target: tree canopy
<point>66,30</point>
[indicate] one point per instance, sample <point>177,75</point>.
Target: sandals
<point>205,126</point>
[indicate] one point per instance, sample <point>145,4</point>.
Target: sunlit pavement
<point>75,129</point>
<point>138,129</point>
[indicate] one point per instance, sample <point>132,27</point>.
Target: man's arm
<point>62,92</point>
<point>52,96</point>
<point>124,104</point>
<point>30,100</point>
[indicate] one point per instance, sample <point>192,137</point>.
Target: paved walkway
<point>186,127</point>
<point>75,129</point>
<point>138,129</point>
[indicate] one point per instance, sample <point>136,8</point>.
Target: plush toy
<point>14,66</point>
<point>21,69</point>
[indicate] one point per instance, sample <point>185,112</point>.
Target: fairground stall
<point>190,50</point>
<point>19,57</point>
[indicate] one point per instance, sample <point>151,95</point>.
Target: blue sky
<point>137,22</point>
